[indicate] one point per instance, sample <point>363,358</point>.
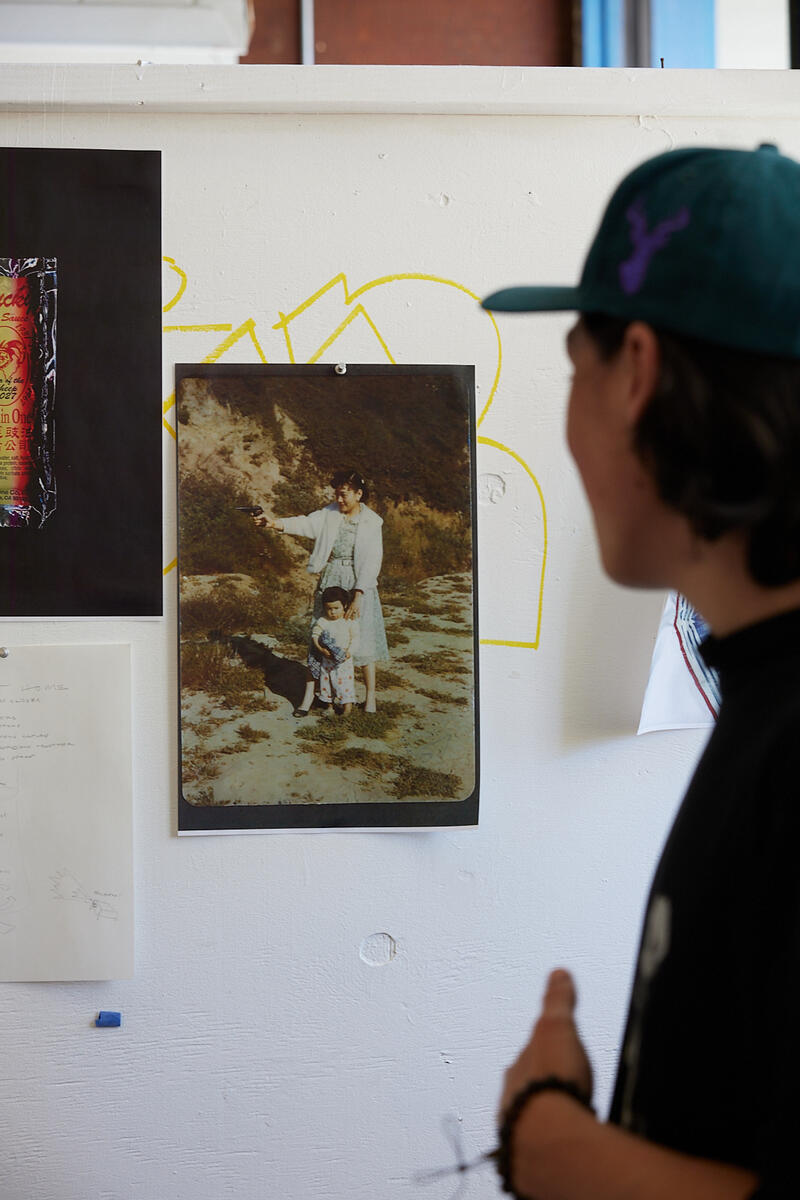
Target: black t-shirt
<point>710,1063</point>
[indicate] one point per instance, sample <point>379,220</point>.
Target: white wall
<point>260,1055</point>
<point>752,35</point>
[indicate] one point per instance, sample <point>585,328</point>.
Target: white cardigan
<point>323,525</point>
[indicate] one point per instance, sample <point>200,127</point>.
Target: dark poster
<point>326,542</point>
<point>80,383</point>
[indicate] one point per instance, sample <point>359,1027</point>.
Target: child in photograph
<point>330,660</point>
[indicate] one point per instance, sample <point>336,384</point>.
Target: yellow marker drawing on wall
<point>173,266</point>
<point>360,311</point>
<point>247,329</point>
<point>526,645</point>
<point>357,314</point>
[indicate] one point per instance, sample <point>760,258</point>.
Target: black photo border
<point>98,213</point>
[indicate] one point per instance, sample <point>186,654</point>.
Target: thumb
<point>559,995</point>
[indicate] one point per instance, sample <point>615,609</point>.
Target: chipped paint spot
<point>378,949</point>
<point>491,488</point>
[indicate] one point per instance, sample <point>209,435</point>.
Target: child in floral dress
<point>330,659</point>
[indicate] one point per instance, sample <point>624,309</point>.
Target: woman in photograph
<point>347,553</point>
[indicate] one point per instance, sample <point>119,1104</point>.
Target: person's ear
<point>642,359</point>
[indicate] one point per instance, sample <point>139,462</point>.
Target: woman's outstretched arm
<point>309,525</point>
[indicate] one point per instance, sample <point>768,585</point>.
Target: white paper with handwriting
<point>66,852</point>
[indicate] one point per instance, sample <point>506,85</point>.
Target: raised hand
<point>555,1047</point>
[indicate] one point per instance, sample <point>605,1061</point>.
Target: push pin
<point>3,651</point>
<point>341,368</point>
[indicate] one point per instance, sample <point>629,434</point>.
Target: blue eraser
<point>107,1019</point>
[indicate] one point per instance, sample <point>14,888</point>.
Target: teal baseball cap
<point>702,242</point>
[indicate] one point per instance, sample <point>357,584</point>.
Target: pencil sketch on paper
<point>64,886</point>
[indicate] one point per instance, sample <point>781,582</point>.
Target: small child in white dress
<point>333,640</point>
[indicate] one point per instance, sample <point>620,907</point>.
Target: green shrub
<point>231,608</point>
<point>446,663</point>
<point>202,798</point>
<point>411,780</point>
<point>419,543</point>
<point>198,764</point>
<point>367,760</point>
<point>214,537</point>
<point>207,667</point>
<point>441,697</point>
<point>389,679</point>
<point>370,725</point>
<point>250,735</point>
<point>326,731</point>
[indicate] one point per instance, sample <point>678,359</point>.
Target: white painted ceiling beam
<point>478,91</point>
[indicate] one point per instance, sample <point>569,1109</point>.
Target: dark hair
<point>332,594</point>
<point>721,435</point>
<point>350,479</point>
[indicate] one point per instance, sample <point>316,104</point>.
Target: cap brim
<point>534,299</point>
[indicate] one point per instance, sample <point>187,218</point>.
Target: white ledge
<point>472,91</point>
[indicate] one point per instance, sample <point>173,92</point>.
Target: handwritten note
<point>66,858</point>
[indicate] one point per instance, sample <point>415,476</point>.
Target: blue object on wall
<point>108,1020</point>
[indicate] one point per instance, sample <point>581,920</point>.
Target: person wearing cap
<point>684,423</point>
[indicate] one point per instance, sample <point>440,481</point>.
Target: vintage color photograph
<point>327,597</point>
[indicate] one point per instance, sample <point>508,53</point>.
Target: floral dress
<point>334,677</point>
<point>339,571</point>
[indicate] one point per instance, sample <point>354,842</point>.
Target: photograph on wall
<point>328,631</point>
<point>80,383</point>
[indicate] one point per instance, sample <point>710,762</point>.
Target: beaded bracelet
<point>551,1083</point>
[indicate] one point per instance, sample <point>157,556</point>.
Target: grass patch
<point>389,679</point>
<point>417,623</point>
<point>397,592</point>
<point>393,709</point>
<point>235,607</point>
<point>198,764</point>
<point>367,760</point>
<point>442,697</point>
<point>293,636</point>
<point>249,735</point>
<point>438,662</point>
<point>423,606</point>
<point>257,702</point>
<point>204,728</point>
<point>202,798</point>
<point>371,725</point>
<point>421,541</point>
<point>411,780</point>
<point>207,667</point>
<point>328,731</point>
<point>452,612</point>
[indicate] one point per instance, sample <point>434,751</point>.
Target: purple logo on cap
<point>633,270</point>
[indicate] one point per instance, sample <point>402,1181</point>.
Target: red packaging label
<point>27,390</point>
